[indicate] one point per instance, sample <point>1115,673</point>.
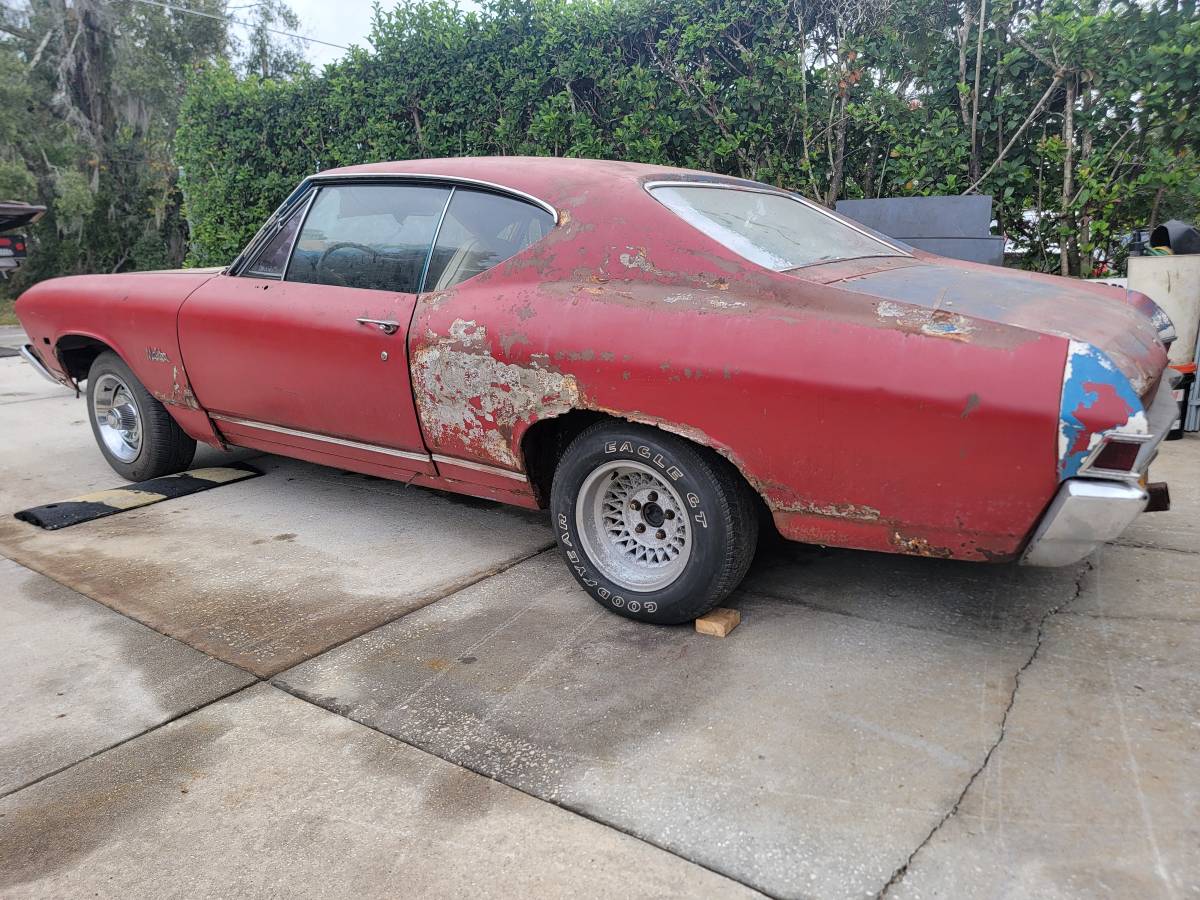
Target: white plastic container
<point>1173,282</point>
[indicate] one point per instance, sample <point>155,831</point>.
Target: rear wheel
<point>134,431</point>
<point>654,528</point>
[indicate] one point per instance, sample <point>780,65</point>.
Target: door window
<point>371,236</point>
<point>481,230</point>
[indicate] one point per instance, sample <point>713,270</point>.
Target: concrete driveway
<point>315,683</point>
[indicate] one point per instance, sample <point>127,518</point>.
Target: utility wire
<point>208,15</point>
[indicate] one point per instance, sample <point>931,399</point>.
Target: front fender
<point>134,315</point>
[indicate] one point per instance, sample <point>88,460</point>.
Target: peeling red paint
<point>904,404</point>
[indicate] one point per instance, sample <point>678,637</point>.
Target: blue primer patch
<point>940,328</point>
<point>1086,365</point>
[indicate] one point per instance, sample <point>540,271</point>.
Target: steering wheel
<point>323,277</point>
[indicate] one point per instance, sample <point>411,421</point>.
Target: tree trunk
<point>973,168</point>
<point>1158,195</point>
<point>839,155</point>
<point>868,185</point>
<point>1087,259</point>
<point>1066,231</point>
<point>964,35</point>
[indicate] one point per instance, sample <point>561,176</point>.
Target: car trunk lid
<point>1048,304</point>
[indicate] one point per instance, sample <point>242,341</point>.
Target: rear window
<point>773,230</point>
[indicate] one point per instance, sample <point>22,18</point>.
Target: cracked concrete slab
<point>263,573</point>
<point>47,451</point>
<point>805,755</point>
<point>267,572</point>
<point>1137,583</point>
<point>80,678</point>
<point>266,795</point>
<point>995,604</point>
<point>1094,790</point>
<point>12,336</point>
<point>19,383</point>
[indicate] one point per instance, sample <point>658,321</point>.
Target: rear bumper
<point>1084,514</point>
<point>1089,512</point>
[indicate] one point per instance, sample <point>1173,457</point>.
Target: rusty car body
<point>879,398</point>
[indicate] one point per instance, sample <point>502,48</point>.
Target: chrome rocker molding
<point>30,356</point>
<point>479,467</point>
<point>323,438</point>
<point>375,448</point>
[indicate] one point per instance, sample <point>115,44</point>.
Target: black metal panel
<point>958,227</point>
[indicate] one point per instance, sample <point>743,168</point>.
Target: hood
<point>55,298</point>
<point>1088,313</point>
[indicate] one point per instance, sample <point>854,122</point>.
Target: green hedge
<point>795,94</point>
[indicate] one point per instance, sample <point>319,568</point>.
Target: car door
<point>306,346</point>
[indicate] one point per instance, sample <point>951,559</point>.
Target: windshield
<point>773,230</point>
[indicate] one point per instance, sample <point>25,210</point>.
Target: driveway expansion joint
<point>1114,617</point>
<point>1134,545</point>
<point>453,589</point>
<point>900,873</point>
<point>133,737</point>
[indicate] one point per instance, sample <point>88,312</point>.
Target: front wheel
<point>654,528</point>
<point>135,432</point>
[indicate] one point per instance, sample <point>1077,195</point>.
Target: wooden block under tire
<point>719,622</point>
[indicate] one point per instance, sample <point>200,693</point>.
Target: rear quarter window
<point>481,230</point>
<point>776,231</point>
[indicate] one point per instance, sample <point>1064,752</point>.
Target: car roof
<point>555,180</point>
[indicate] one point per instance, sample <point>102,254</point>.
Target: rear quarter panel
<point>858,423</point>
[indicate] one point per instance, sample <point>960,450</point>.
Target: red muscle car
<point>660,357</point>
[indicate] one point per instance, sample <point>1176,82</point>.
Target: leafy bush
<point>834,98</point>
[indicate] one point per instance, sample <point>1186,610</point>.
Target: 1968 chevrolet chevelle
<point>655,355</point>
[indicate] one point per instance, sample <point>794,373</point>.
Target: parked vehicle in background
<point>14,247</point>
<point>655,355</point>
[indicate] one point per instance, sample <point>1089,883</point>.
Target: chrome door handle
<point>387,326</point>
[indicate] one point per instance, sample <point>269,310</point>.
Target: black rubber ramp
<point>132,496</point>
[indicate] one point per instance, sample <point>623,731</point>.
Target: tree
<point>92,90</point>
<point>266,52</point>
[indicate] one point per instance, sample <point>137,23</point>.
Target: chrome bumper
<point>31,357</point>
<point>1083,515</point>
<point>1089,512</point>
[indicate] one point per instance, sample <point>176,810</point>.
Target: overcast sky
<point>344,22</point>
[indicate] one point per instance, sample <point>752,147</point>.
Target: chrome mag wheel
<point>118,419</point>
<point>633,525</point>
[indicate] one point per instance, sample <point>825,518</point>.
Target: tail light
<point>1115,457</point>
<point>1119,456</point>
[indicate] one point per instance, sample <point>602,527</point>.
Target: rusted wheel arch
<point>543,443</point>
<point>77,352</point>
